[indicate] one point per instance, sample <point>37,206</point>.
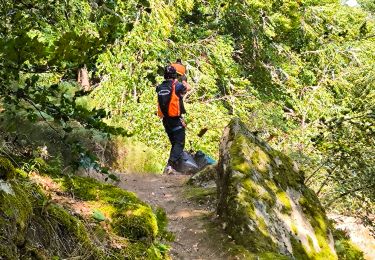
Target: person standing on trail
<point>171,108</point>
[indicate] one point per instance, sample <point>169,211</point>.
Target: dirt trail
<point>188,220</point>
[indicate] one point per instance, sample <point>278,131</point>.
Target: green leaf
<point>98,215</point>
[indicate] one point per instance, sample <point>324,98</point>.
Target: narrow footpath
<point>188,220</point>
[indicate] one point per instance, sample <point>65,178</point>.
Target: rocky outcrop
<point>264,204</point>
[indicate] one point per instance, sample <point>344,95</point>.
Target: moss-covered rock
<point>7,170</point>
<point>137,223</point>
<point>32,228</point>
<point>264,203</point>
<point>204,178</point>
<point>15,214</point>
<point>130,217</point>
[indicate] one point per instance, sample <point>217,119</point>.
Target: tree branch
<point>349,192</point>
<point>312,175</point>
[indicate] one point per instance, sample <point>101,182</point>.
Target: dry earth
<point>190,221</point>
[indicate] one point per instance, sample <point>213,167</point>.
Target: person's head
<point>170,72</point>
<point>180,68</point>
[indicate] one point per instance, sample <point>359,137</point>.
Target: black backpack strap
<point>164,96</point>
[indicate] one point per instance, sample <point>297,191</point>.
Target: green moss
<point>325,251</point>
<point>256,160</point>
<point>269,197</point>
<point>61,219</point>
<point>260,160</point>
<point>294,229</point>
<point>52,227</point>
<point>256,191</point>
<point>316,215</point>
<point>7,251</point>
<point>105,208</point>
<point>7,170</point>
<point>21,173</point>
<point>15,212</point>
<point>33,252</point>
<point>251,187</point>
<point>257,239</point>
<point>136,224</point>
<point>249,209</point>
<point>131,218</point>
<point>241,165</point>
<point>283,198</point>
<point>299,252</point>
<point>254,246</point>
<point>238,152</point>
<point>207,174</point>
<point>272,256</point>
<point>270,185</point>
<point>32,227</point>
<point>99,233</point>
<point>262,226</point>
<point>285,175</point>
<point>244,158</point>
<point>200,194</point>
<point>321,232</point>
<point>140,250</point>
<point>345,249</point>
<point>88,189</point>
<point>162,221</point>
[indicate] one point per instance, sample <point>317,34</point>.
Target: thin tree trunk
<point>324,183</point>
<point>83,79</point>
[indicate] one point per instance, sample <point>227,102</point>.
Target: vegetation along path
<point>189,219</point>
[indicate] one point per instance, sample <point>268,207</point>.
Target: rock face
<point>264,204</point>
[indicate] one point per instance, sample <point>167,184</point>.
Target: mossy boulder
<point>15,214</point>
<point>137,223</point>
<point>7,170</point>
<point>33,228</point>
<point>130,217</point>
<point>263,202</point>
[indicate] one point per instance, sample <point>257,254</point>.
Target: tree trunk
<point>83,78</point>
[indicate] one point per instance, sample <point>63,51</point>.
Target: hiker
<point>170,109</point>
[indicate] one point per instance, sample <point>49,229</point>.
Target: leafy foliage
<point>41,47</point>
<point>300,73</point>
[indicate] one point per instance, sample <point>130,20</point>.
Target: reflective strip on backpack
<point>164,92</point>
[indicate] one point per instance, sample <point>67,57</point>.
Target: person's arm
<point>185,83</point>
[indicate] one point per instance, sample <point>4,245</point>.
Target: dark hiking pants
<point>176,134</point>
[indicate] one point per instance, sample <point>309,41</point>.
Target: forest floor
<point>192,221</point>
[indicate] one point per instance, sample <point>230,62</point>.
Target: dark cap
<point>170,72</point>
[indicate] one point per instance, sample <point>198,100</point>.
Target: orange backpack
<point>168,101</point>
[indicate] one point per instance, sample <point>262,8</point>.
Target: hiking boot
<point>169,170</point>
